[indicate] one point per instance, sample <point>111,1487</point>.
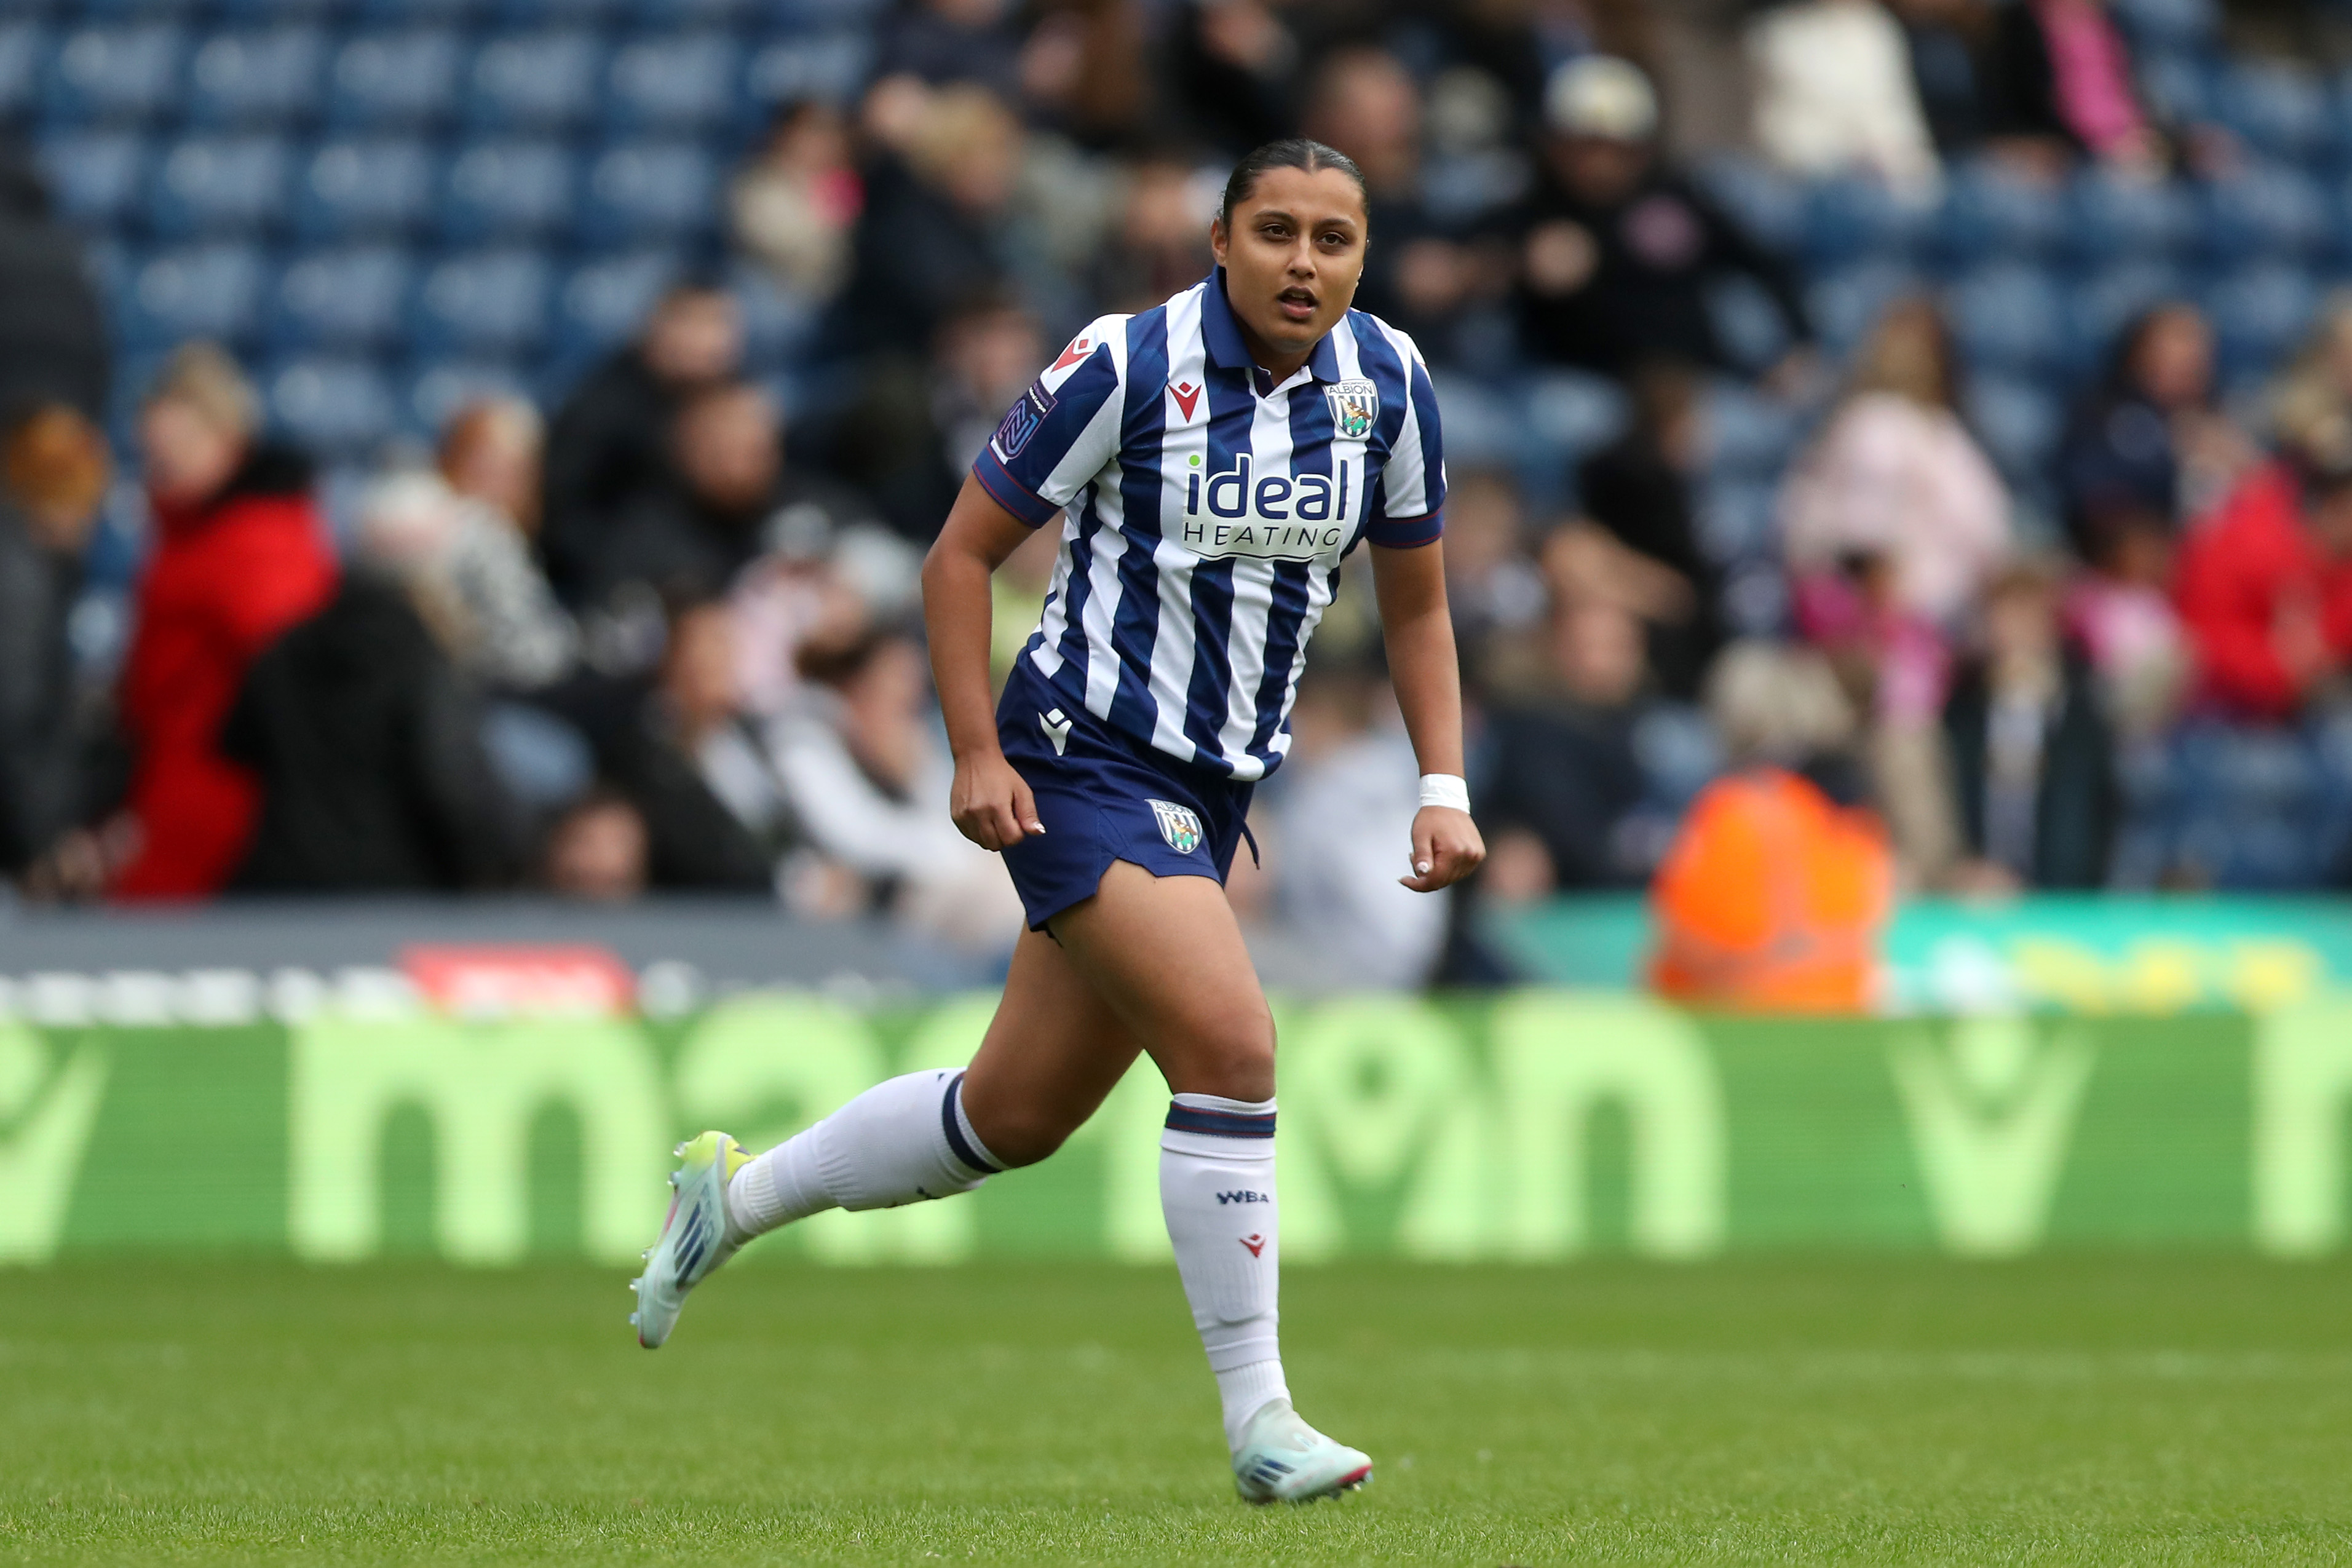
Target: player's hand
<point>992,803</point>
<point>1445,848</point>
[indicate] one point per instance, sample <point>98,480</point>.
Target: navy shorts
<point>1104,797</point>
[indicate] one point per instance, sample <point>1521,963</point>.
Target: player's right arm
<point>990,804</point>
<point>1057,438</point>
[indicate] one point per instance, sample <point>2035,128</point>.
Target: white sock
<point>1216,1189</point>
<point>900,1142</point>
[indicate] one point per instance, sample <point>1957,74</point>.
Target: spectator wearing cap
<point>1834,95</point>
<point>241,555</point>
<point>610,441</point>
<point>1617,254</point>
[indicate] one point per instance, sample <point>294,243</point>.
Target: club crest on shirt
<point>1022,421</point>
<point>1355,405</point>
<point>1177,825</point>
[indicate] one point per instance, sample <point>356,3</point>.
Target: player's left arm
<point>1402,531</point>
<point>1418,629</point>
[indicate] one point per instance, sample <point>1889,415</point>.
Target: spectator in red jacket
<point>240,555</point>
<point>2265,588</point>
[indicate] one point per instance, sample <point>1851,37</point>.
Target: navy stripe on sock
<point>1220,1123</point>
<point>959,1145</point>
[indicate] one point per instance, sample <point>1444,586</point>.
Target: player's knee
<point>1020,1136</point>
<point>1233,1056</point>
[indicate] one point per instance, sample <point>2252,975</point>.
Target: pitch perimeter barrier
<point>1533,1125</point>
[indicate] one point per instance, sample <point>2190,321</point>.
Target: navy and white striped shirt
<point>1207,513</point>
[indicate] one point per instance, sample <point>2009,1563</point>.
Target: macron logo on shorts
<point>1056,726</point>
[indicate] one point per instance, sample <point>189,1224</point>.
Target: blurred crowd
<point>663,633</point>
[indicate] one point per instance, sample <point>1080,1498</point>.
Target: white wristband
<point>1446,790</point>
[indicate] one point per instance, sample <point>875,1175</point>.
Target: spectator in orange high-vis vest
<point>1773,896</point>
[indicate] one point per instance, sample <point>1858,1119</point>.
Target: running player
<point>1213,459</point>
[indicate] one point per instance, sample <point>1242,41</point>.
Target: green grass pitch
<point>2072,1410</point>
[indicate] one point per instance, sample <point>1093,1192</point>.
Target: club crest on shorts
<point>1177,825</point>
<point>1355,405</point>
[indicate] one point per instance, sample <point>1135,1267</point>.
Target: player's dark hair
<point>1299,153</point>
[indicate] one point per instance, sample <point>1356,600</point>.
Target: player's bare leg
<point>1051,1057</point>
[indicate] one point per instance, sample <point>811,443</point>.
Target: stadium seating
<point>2112,217</point>
<point>687,83</point>
<point>23,44</point>
<point>482,304</point>
<point>817,65</point>
<point>96,178</point>
<point>2018,423</point>
<point>602,301</point>
<point>1990,212</point>
<point>230,185</point>
<point>2101,305</point>
<point>335,408</point>
<point>642,192</point>
<point>2264,211</point>
<point>1845,305</point>
<point>507,190</point>
<point>348,299</point>
<point>778,324</point>
<point>1738,519</point>
<point>1846,219</point>
<point>2258,313</point>
<point>269,77</point>
<point>403,80</point>
<point>210,290</point>
<point>111,75</point>
<point>2008,318</point>
<point>2281,110</point>
<point>448,13</point>
<point>363,187</point>
<point>538,81</point>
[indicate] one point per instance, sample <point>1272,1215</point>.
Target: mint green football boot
<point>693,1241</point>
<point>1283,1460</point>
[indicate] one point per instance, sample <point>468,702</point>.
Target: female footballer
<point>1213,459</point>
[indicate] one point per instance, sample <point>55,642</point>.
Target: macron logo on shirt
<point>1079,348</point>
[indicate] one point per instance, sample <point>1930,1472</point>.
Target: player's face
<point>1293,256</point>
